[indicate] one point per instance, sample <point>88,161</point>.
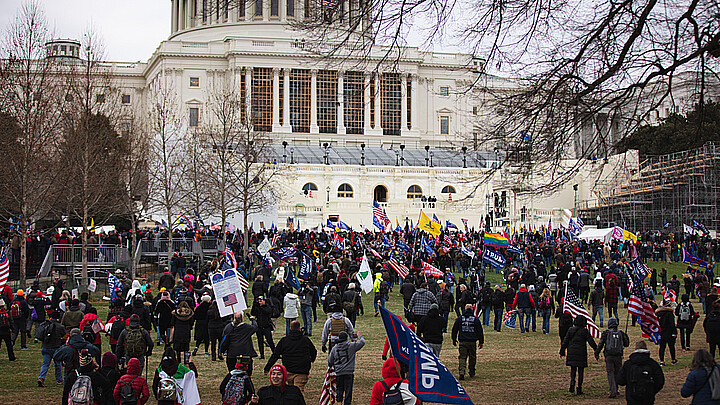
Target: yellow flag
<point>92,223</point>
<point>627,235</point>
<point>429,226</point>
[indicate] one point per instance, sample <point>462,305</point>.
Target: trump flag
<point>428,378</point>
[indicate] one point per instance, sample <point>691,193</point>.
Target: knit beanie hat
<point>85,357</point>
<point>342,336</point>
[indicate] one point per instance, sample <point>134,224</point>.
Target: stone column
<point>414,101</point>
<point>314,129</point>
<point>341,103</point>
<point>174,18</point>
<point>286,101</point>
<point>276,100</point>
<point>403,103</point>
<point>431,114</point>
<point>378,125</point>
<point>366,103</point>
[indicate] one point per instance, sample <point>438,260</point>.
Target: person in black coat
<point>575,344</point>
<point>684,312</point>
<point>183,319</point>
<point>262,312</point>
<point>259,287</point>
<point>237,341</point>
<point>138,307</point>
<point>641,391</point>
<point>298,353</point>
<point>498,303</point>
<point>430,329</point>
<point>201,323</point>
<point>668,331</point>
<point>163,314</point>
<point>166,280</point>
<point>215,326</point>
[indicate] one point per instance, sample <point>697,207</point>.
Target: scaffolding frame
<point>674,188</point>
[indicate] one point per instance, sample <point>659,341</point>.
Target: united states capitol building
<point>355,126</point>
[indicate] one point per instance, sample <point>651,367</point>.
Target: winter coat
<point>163,312</point>
<point>666,318</point>
<point>523,299</point>
<point>468,328</point>
<point>575,343</point>
<point>687,323</point>
<point>120,348</point>
<point>445,301</point>
<point>697,385</point>
<point>292,306</point>
<point>55,339</point>
<point>97,381</point>
<point>641,357</point>
<point>711,324</point>
<point>498,299</point>
<point>390,376</point>
<point>342,356</point>
<point>72,318</point>
<point>431,326</point>
<point>287,395</point>
<point>88,319</point>
<point>138,307</point>
<point>297,352</point>
<point>138,383</point>
<point>262,314</point>
<point>407,290</point>
<point>328,323</point>
<point>597,297</point>
<point>201,321</point>
<point>421,301</point>
<point>68,354</point>
<point>183,325</point>
<point>237,339</point>
<point>612,327</point>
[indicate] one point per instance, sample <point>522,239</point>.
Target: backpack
<point>167,390</point>
<point>337,326</point>
<point>33,315</point>
<point>117,326</point>
<point>684,311</point>
<point>128,395</point>
<point>544,303</point>
<point>15,310</point>
<point>714,380</point>
<point>234,390</point>
<point>641,384</point>
<point>135,345</point>
<point>392,395</point>
<point>45,331</point>
<point>4,320</point>
<point>349,306</point>
<point>384,287</point>
<point>614,343</point>
<point>81,392</point>
<point>88,334</point>
<point>712,326</point>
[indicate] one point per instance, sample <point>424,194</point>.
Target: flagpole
<point>565,296</point>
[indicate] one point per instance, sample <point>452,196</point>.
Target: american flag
<point>465,223</point>
<point>638,305</point>
<point>230,300</point>
<point>4,269</point>
<point>399,268</point>
<point>379,212</point>
<point>327,396</point>
<point>509,319</point>
<point>574,307</point>
<point>431,270</point>
<point>375,253</point>
<point>275,239</point>
<point>230,258</point>
<point>330,4</point>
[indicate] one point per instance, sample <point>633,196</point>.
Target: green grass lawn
<point>512,368</point>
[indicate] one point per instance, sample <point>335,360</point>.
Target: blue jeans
<point>486,315</point>
<point>545,313</point>
<point>533,314</point>
<point>345,388</point>
<point>287,325</point>
<point>612,308</point>
<point>521,317</point>
<point>381,298</point>
<point>599,310</point>
<point>498,318</point>
<point>307,316</point>
<point>47,355</point>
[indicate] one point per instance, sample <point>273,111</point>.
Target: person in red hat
<point>278,393</point>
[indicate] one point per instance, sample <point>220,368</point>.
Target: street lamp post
<point>362,154</point>
<point>427,155</point>
<point>402,154</point>
<point>284,144</point>
<point>464,150</point>
<point>326,145</point>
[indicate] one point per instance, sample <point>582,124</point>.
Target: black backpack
<point>712,325</point>
<point>88,333</point>
<point>128,395</point>
<point>641,384</point>
<point>384,287</point>
<point>614,343</point>
<point>392,395</point>
<point>117,326</point>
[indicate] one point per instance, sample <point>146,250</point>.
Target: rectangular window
<point>327,84</point>
<point>194,82</point>
<point>204,11</point>
<point>126,99</point>
<point>100,98</point>
<point>307,8</point>
<point>300,100</point>
<point>408,101</point>
<point>241,8</point>
<point>259,8</point>
<point>444,125</point>
<point>372,102</point>
<point>475,109</point>
<point>274,8</point>
<point>353,93</point>
<point>390,102</point>
<point>444,91</point>
<point>290,8</point>
<point>194,116</point>
<point>262,94</point>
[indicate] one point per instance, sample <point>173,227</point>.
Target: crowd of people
<point>179,316</point>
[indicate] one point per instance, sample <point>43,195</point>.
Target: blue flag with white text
<point>305,266</point>
<point>493,258</point>
<point>291,280</point>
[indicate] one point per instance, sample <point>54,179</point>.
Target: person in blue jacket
<point>697,383</point>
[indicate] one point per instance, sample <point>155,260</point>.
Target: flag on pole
<point>574,307</point>
<point>399,268</point>
<point>364,275</point>
<point>465,221</point>
<point>291,280</point>
<point>638,305</point>
<point>431,270</point>
<point>329,388</point>
<point>495,240</point>
<point>4,270</point>
<point>114,285</point>
<point>428,225</point>
<point>379,212</point>
<point>375,253</point>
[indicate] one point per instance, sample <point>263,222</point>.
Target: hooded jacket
<point>134,289</point>
<point>390,376</point>
<point>237,339</point>
<point>612,327</point>
<point>468,328</point>
<point>138,307</point>
<point>183,320</point>
<point>666,318</point>
<point>431,326</point>
<point>97,382</point>
<point>120,349</point>
<point>281,395</point>
<point>111,374</point>
<point>72,318</point>
<point>523,299</point>
<point>297,352</point>
<point>292,306</point>
<point>138,383</point>
<point>342,356</point>
<point>326,328</point>
<point>68,354</point>
<point>575,343</point>
<point>641,357</point>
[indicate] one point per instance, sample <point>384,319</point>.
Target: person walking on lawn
<point>51,334</point>
<point>342,358</point>
<point>132,388</point>
<point>642,375</point>
<point>613,341</point>
<point>575,343</point>
<point>298,353</point>
<point>468,330</point>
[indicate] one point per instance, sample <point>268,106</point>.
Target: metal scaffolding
<point>674,189</point>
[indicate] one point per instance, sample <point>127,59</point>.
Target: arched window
<point>309,188</point>
<point>448,190</point>
<point>414,191</point>
<point>345,191</point>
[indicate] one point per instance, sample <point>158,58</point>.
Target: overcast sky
<point>131,29</point>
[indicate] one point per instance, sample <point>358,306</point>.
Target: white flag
<point>365,275</point>
<point>264,247</point>
<point>688,229</point>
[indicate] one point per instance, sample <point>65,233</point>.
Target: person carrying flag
<point>468,330</point>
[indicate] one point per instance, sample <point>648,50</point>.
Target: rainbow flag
<point>495,240</point>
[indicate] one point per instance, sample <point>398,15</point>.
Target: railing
<point>102,256</point>
<point>159,247</point>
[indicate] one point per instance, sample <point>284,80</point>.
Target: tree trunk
<point>23,256</point>
<point>84,274</point>
<point>170,239</point>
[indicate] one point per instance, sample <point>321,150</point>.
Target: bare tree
<point>196,190</point>
<point>30,112</point>
<point>166,191</point>
<point>238,159</point>
<point>93,152</point>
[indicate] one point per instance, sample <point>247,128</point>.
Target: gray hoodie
<point>326,328</point>
<point>342,356</point>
